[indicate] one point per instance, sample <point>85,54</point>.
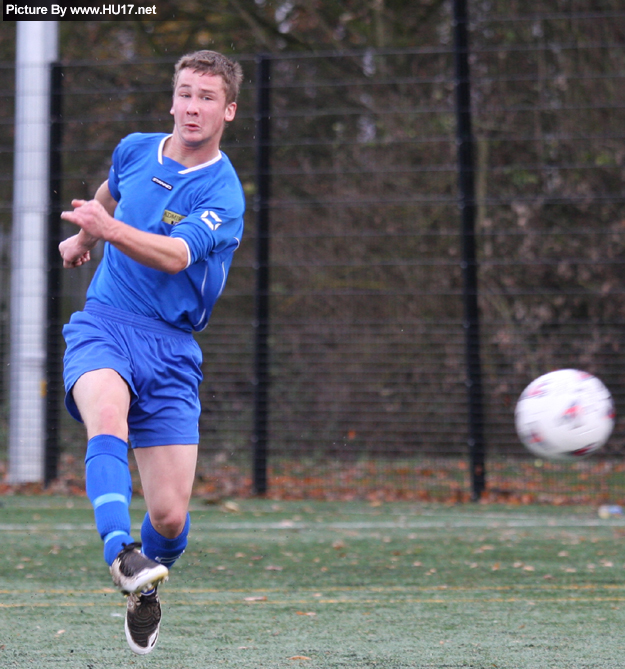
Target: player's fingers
<point>70,216</point>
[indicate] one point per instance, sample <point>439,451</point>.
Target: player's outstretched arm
<point>166,254</point>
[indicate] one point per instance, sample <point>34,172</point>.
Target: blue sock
<point>109,487</point>
<point>159,548</point>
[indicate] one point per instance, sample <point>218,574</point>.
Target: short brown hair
<point>216,64</point>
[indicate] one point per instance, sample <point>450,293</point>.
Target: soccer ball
<point>564,415</point>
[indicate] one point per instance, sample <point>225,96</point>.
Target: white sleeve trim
<point>188,252</point>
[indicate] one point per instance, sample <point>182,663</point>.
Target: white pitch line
<point>412,525</point>
<point>464,523</point>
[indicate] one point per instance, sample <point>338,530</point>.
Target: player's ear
<point>231,110</point>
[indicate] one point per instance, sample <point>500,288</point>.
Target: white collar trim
<point>188,169</point>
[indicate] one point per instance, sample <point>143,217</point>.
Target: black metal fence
<point>339,347</point>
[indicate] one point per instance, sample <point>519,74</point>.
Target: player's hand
<point>73,252</point>
<point>92,217</point>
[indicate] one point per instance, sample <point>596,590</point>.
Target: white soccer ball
<point>564,415</point>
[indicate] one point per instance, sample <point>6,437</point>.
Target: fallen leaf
<point>60,632</point>
<point>305,613</point>
<point>300,657</point>
<point>273,568</point>
<point>233,507</point>
<point>256,599</point>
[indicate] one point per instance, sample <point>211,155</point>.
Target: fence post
<point>261,322</point>
<point>54,385</point>
<point>466,184</point>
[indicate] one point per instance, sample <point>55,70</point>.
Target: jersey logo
<point>171,217</point>
<point>213,215</point>
<point>162,183</point>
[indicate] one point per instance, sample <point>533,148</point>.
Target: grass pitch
<point>321,585</point>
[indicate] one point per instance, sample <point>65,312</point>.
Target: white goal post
<point>36,50</point>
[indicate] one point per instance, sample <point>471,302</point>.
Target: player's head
<point>216,64</point>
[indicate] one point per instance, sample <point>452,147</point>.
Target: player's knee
<point>110,419</point>
<point>169,522</point>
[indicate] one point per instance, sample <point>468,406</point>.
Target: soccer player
<point>171,217</point>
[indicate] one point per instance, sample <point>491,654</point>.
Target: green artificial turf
<point>319,584</point>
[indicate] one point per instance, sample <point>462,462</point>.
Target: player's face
<point>199,108</point>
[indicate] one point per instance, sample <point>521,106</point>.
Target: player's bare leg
<point>167,475</point>
<point>103,400</point>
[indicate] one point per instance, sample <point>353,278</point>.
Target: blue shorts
<point>161,365</point>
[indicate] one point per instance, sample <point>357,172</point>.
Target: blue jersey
<point>201,205</point>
